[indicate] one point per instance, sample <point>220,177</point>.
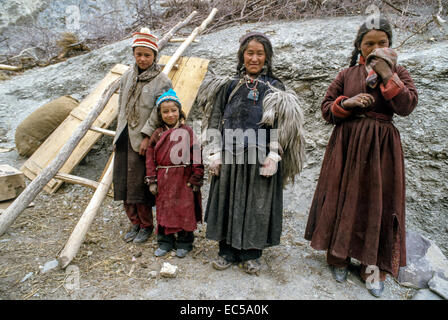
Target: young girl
<point>358,210</point>
<point>174,174</point>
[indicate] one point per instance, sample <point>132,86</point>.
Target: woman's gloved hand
<point>270,165</point>
<point>215,164</point>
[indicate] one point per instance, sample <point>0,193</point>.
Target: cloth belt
<point>375,115</point>
<point>173,166</point>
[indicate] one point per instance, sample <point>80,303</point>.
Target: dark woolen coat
<point>244,208</point>
<point>358,209</point>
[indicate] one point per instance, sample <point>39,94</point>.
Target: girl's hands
<point>153,188</point>
<point>382,68</point>
<point>362,100</point>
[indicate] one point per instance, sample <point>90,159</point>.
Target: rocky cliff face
<point>40,23</point>
<point>308,56</point>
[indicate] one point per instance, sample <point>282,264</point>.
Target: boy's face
<point>144,57</point>
<point>169,112</point>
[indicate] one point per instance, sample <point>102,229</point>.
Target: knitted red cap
<point>144,38</point>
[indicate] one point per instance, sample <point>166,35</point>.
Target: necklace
<point>253,91</point>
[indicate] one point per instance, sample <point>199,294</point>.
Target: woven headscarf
<point>387,54</point>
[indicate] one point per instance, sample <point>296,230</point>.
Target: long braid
<point>354,59</point>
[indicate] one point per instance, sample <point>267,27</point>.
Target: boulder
<point>168,270</point>
<point>426,294</point>
<point>439,285</point>
<point>424,261</point>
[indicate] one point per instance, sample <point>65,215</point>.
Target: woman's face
<point>372,40</point>
<point>169,112</point>
<point>254,57</point>
<point>144,57</point>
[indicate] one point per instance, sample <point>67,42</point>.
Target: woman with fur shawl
<point>244,208</point>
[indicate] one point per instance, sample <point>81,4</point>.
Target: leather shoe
<point>377,291</point>
<point>160,252</point>
<point>339,274</point>
<point>132,233</point>
<point>143,235</point>
<point>181,253</point>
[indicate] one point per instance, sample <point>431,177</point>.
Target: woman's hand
<point>153,188</point>
<point>215,168</point>
<point>143,146</point>
<point>382,68</point>
<point>215,164</point>
<point>269,168</point>
<point>362,100</point>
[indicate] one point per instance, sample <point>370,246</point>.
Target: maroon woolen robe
<point>358,209</point>
<point>177,206</point>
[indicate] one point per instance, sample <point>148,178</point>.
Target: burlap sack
<point>36,128</point>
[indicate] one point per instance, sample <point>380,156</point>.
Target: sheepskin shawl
<point>279,107</point>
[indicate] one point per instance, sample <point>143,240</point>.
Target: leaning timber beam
<point>31,191</point>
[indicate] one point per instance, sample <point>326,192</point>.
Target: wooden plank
<point>187,78</point>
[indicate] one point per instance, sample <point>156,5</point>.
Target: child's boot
<point>184,243</point>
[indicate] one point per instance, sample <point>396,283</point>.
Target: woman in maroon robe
<point>174,174</point>
<point>358,210</point>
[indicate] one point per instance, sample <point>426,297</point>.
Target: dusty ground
<point>109,268</point>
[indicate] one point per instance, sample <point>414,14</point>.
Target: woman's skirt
<point>245,208</point>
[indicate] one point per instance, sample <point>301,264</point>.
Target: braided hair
<point>267,49</point>
<point>362,31</point>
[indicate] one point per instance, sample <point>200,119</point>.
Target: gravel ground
<point>109,268</point>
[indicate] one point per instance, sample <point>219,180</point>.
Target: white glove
<point>270,165</point>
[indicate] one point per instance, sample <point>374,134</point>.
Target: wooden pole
<point>9,68</point>
<point>178,26</point>
<point>187,42</point>
<point>31,191</point>
<point>80,231</point>
<point>74,242</point>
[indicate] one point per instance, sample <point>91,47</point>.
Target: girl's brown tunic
<point>358,209</point>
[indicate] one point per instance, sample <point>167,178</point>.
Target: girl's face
<point>144,57</point>
<point>169,112</point>
<point>372,40</point>
<point>254,57</point>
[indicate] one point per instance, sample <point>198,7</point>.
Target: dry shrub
<point>412,14</point>
<point>70,46</point>
<point>3,76</point>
